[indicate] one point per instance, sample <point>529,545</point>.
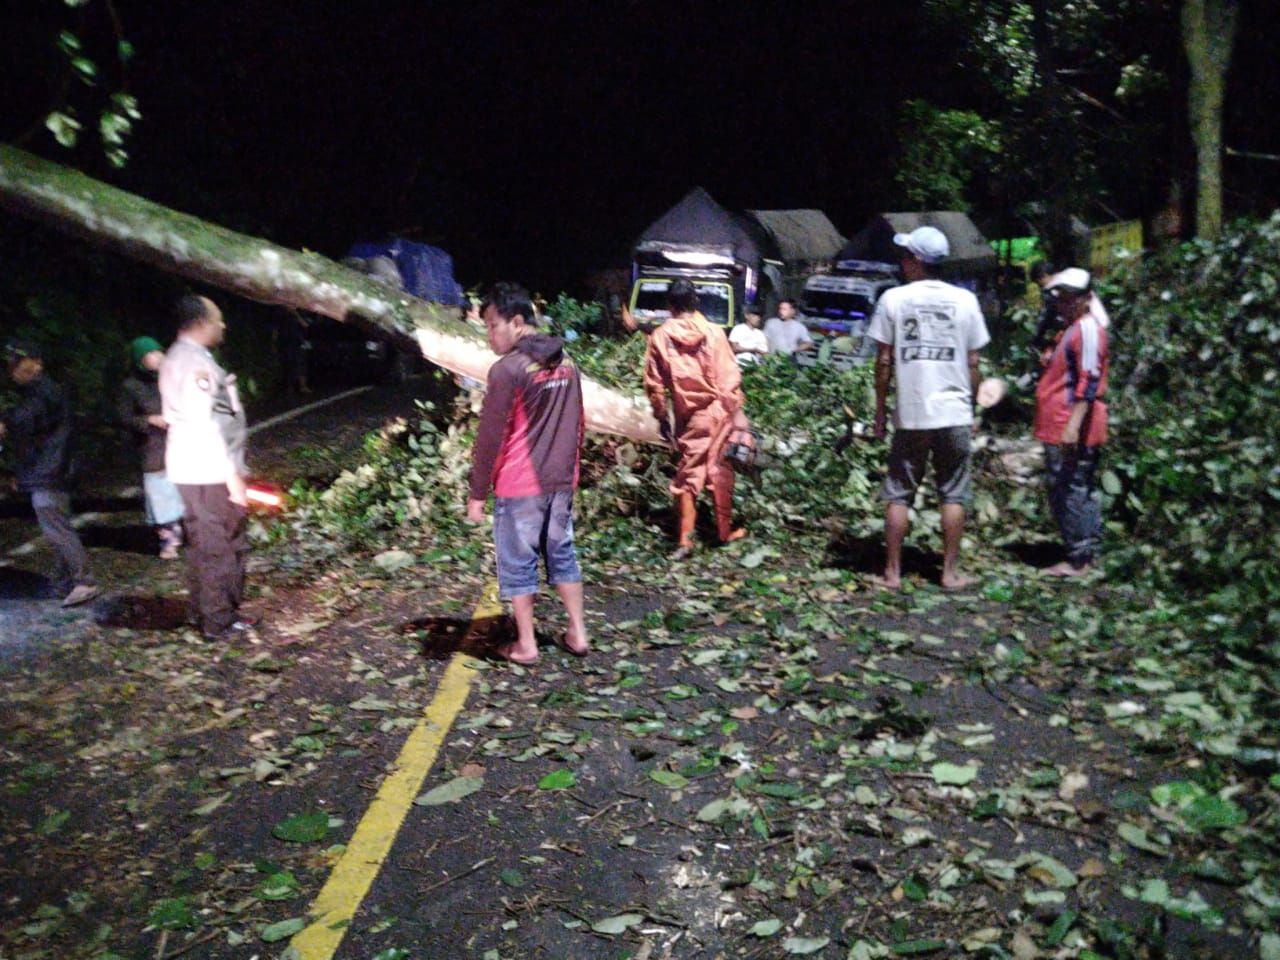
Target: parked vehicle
<point>840,303</point>
<point>734,259</point>
<point>353,352</point>
<point>360,352</point>
<point>700,241</point>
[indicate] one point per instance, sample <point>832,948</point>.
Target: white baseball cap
<point>1070,280</point>
<point>927,243</point>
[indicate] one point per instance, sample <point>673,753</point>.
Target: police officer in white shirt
<point>205,458</point>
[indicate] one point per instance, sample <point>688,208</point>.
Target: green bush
<point>1194,394</point>
<point>411,480</point>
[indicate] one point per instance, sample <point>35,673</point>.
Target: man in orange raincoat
<point>692,360</point>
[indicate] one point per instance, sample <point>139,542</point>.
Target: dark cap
<point>15,350</point>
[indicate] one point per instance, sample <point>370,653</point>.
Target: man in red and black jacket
<point>528,449</point>
<point>1071,418</point>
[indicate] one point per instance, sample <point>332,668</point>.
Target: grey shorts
<point>909,455</point>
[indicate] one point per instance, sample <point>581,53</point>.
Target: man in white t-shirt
<point>929,334</point>
<point>785,333</point>
<point>747,338</point>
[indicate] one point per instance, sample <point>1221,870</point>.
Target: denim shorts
<point>909,454</point>
<point>526,528</point>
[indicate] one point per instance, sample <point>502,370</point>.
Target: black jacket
<point>139,399</point>
<point>39,436</point>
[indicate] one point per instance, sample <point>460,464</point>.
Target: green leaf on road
<point>279,886</point>
<point>802,946</point>
<point>765,928</point>
<point>915,888</point>
<point>1058,932</point>
<point>512,877</point>
<point>1179,793</point>
<point>670,780</point>
<point>53,822</point>
<point>210,805</point>
<point>915,948</point>
<point>620,923</point>
<point>274,932</point>
<point>450,792</point>
<point>171,914</point>
<point>953,774</point>
<point>558,780</point>
<point>302,827</point>
<point>1214,813</point>
<point>1136,836</point>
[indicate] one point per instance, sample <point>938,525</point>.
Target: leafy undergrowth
<point>760,759</point>
<point>763,758</point>
<point>1195,388</point>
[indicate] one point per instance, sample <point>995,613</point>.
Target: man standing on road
<point>204,457</point>
<point>38,431</point>
<point>139,410</point>
<point>690,359</point>
<point>1071,418</point>
<point>785,333</point>
<point>528,449</point>
<point>929,334</point>
<point>747,339</point>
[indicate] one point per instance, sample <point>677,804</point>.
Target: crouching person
<point>527,450</point>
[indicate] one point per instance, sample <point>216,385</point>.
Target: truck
<point>733,259</point>
<point>700,241</point>
<point>839,304</point>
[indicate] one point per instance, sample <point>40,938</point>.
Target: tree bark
<point>1208,31</point>
<point>259,270</point>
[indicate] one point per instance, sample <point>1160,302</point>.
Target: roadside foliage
<point>762,757</point>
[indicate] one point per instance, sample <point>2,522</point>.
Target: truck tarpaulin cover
<point>427,271</point>
<point>699,220</point>
<point>800,235</point>
<point>971,255</point>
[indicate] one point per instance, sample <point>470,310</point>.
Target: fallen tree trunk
<point>259,270</point>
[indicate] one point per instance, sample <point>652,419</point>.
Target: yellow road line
<point>355,871</point>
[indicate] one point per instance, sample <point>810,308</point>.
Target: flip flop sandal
<point>563,644</point>
<point>501,652</point>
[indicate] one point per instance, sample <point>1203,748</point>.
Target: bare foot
<point>514,653</point>
<point>577,645</point>
<point>887,582</point>
<point>1066,569</point>
<point>957,581</point>
<point>735,535</point>
<point>683,551</point>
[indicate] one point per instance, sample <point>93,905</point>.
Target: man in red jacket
<point>528,449</point>
<point>1071,418</point>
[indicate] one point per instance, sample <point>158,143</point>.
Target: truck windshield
<point>835,303</point>
<point>651,300</point>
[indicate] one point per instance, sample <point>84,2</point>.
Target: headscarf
<point>140,347</point>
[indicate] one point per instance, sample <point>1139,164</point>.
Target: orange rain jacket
<point>693,360</point>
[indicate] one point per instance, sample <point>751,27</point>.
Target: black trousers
<point>217,548</point>
<point>53,512</point>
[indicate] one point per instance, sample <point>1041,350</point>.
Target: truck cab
<point>723,284</point>
<point>839,305</point>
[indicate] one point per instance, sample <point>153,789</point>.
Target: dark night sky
<point>532,140</point>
